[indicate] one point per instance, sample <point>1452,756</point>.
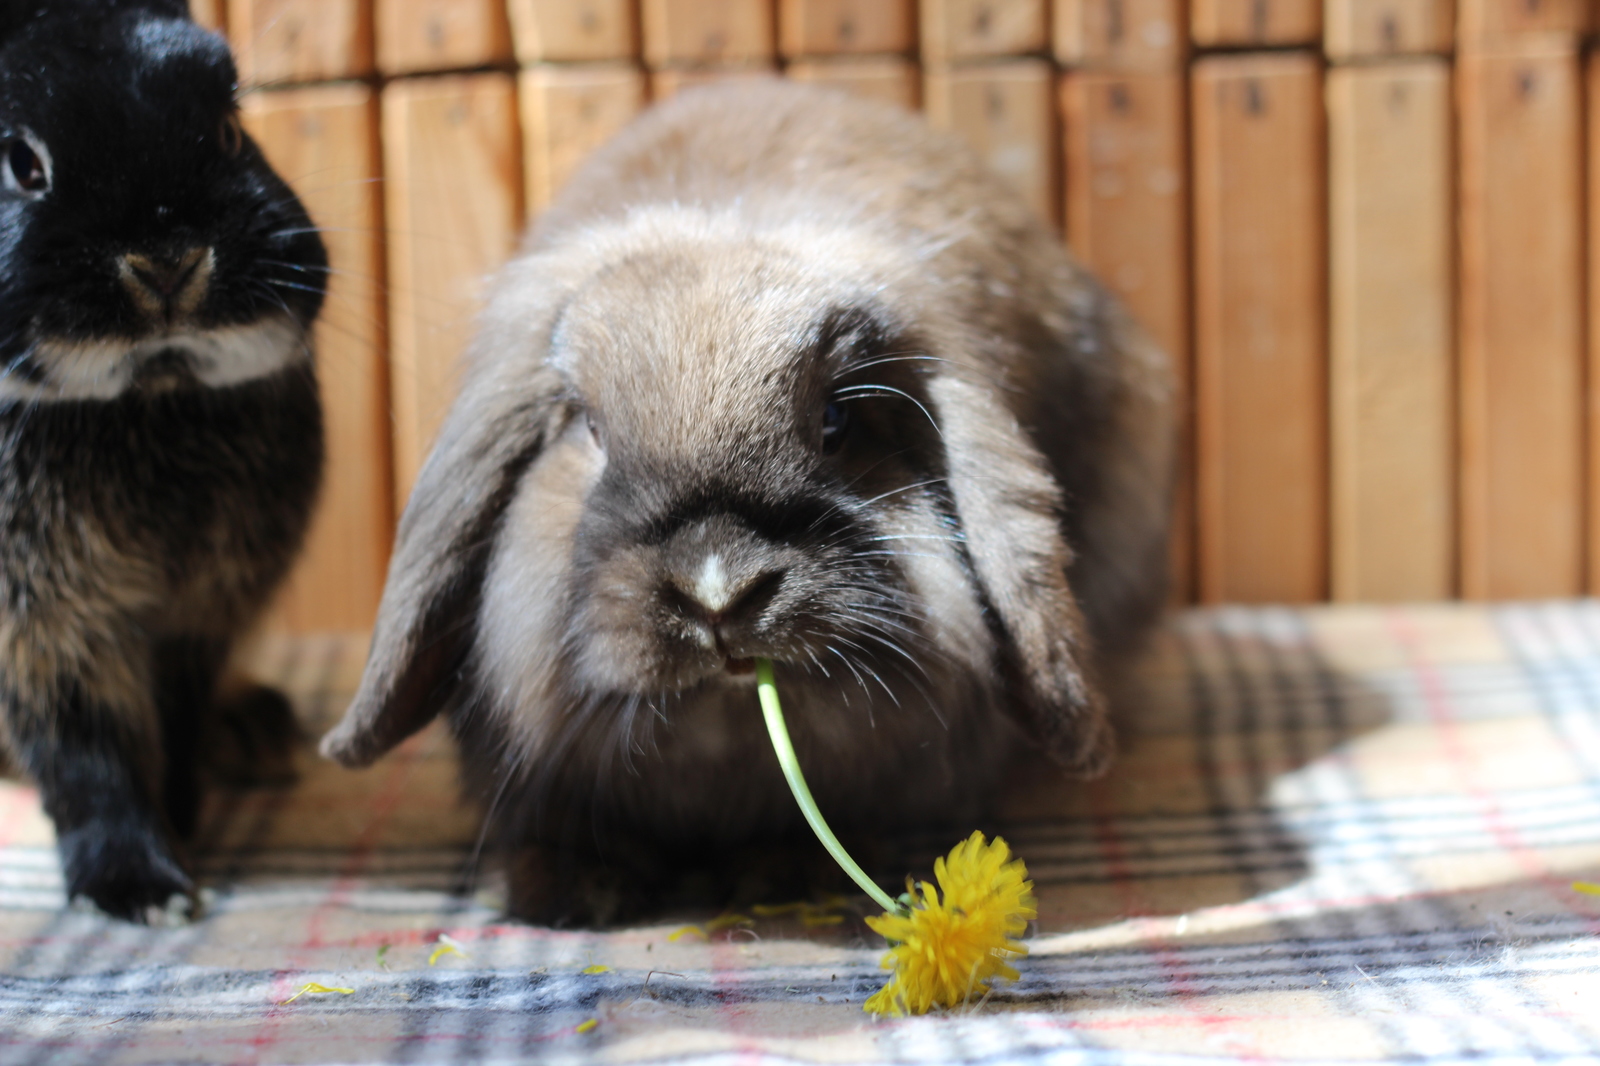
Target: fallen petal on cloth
<point>1345,834</point>
<point>311,988</point>
<point>447,946</point>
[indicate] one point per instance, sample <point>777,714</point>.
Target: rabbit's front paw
<point>127,870</point>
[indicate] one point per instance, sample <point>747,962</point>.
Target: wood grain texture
<point>1369,29</point>
<point>568,110</point>
<point>565,31</point>
<point>892,78</point>
<point>1391,331</point>
<point>1125,35</point>
<point>1521,323</point>
<point>845,27</point>
<point>1592,92</point>
<point>1260,364</point>
<point>1005,110</point>
<point>1126,211</point>
<point>212,14</point>
<point>324,141</point>
<point>1491,24</point>
<point>418,36</point>
<point>300,40</point>
<point>688,32</point>
<point>1235,23</point>
<point>453,202</point>
<point>982,29</point>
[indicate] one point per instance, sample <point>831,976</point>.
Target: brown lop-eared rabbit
<point>786,374</point>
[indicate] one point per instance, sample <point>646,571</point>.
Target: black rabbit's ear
<point>1009,508</point>
<point>426,621</point>
<point>17,15</point>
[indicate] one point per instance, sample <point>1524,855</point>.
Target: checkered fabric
<point>1334,835</point>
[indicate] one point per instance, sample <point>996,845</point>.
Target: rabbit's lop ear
<point>426,622</point>
<point>1010,513</point>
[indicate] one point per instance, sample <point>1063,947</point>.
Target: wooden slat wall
<point>1260,332</point>
<point>324,139</point>
<point>1391,330</point>
<point>1124,118</point>
<point>1521,345</point>
<point>1360,227</point>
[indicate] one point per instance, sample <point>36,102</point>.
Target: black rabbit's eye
<point>835,424</point>
<point>25,171</point>
<point>231,135</point>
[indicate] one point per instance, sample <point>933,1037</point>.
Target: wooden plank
<point>1127,218</point>
<point>324,141</point>
<point>453,204</point>
<point>1260,364</point>
<point>1005,111</point>
<point>1492,23</point>
<point>895,79</point>
<point>982,29</point>
<point>1391,331</point>
<point>1592,76</point>
<point>1521,323</point>
<point>567,112</point>
<point>300,40</point>
<point>725,32</point>
<point>417,36</point>
<point>840,27</point>
<point>564,31</point>
<point>665,83</point>
<point>1366,29</point>
<point>212,14</point>
<point>1230,23</point>
<point>1120,34</point>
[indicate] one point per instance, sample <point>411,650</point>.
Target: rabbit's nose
<point>726,602</point>
<point>167,287</point>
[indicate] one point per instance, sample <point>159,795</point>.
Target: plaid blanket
<point>1341,834</point>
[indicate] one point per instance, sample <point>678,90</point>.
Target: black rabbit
<point>160,429</point>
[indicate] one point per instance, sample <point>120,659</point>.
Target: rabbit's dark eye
<point>24,170</point>
<point>835,425</point>
<point>231,135</point>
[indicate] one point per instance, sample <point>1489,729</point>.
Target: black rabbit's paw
<point>128,871</point>
<point>254,738</point>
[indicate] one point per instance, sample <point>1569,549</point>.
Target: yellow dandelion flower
<point>945,943</point>
<point>955,941</point>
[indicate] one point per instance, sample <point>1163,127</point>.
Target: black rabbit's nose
<point>167,287</point>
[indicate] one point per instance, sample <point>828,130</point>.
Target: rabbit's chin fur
<point>782,375</point>
<point>65,370</point>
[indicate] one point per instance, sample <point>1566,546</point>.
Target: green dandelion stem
<point>772,711</point>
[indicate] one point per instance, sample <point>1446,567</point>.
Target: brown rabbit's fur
<point>787,374</point>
